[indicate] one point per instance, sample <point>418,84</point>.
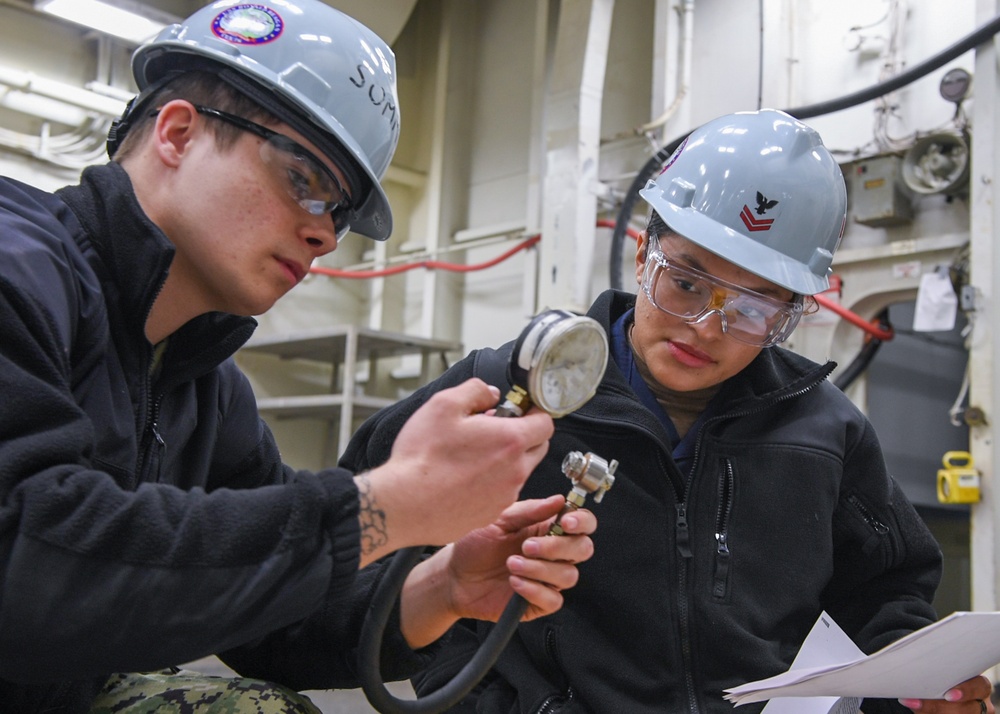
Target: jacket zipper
<point>151,443</point>
<point>684,616</point>
<point>722,555</point>
<point>157,446</point>
<point>683,605</point>
<point>870,518</point>
<point>682,535</point>
<point>153,446</point>
<point>552,703</point>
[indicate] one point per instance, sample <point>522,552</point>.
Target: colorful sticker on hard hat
<point>248,24</point>
<point>764,204</point>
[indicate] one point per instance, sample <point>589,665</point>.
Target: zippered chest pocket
<point>720,578</point>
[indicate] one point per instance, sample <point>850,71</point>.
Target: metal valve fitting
<point>589,474</point>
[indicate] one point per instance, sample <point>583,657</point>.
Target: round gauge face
<point>568,366</point>
<point>955,85</point>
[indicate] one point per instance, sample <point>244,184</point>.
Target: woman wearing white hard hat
<point>751,495</point>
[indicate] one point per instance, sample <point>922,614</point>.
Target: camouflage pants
<point>183,692</point>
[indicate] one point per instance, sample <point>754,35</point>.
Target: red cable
<point>441,265</point>
<point>429,264</point>
<point>851,317</point>
<point>631,232</point>
<point>870,327</point>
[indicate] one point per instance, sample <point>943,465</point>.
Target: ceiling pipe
<point>41,107</point>
<point>30,83</point>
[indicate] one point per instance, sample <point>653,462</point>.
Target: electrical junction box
<point>878,194</point>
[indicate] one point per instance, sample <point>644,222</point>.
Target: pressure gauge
<point>955,85</point>
<point>556,364</point>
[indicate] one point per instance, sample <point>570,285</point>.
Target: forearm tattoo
<point>371,518</point>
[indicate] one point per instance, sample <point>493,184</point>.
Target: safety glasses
<point>747,316</point>
<point>306,179</point>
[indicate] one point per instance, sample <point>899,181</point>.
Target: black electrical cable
<point>828,107</point>
<point>967,43</point>
<point>864,357</point>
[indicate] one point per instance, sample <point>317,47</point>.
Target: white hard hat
<point>320,71</point>
<point>760,190</point>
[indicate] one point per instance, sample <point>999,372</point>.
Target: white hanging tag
<point>937,304</point>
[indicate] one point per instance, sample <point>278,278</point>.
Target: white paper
<point>825,644</point>
<point>923,665</point>
<point>937,304</point>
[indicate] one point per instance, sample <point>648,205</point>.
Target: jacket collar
<point>134,253</point>
<point>135,257</point>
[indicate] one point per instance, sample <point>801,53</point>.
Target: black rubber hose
<point>834,105</point>
<point>463,682</point>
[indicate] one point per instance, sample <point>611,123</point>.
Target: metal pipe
<point>30,83</point>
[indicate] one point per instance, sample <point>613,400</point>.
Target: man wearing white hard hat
<point>146,518</point>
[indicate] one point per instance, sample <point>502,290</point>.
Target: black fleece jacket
<point>148,522</point>
<point>708,579</point>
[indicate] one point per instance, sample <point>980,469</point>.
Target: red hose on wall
<point>871,328</point>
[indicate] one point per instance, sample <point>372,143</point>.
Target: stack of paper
<point>923,665</point>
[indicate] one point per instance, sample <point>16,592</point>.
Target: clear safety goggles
<point>305,177</point>
<point>746,315</point>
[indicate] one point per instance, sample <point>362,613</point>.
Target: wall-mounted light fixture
<point>125,19</point>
